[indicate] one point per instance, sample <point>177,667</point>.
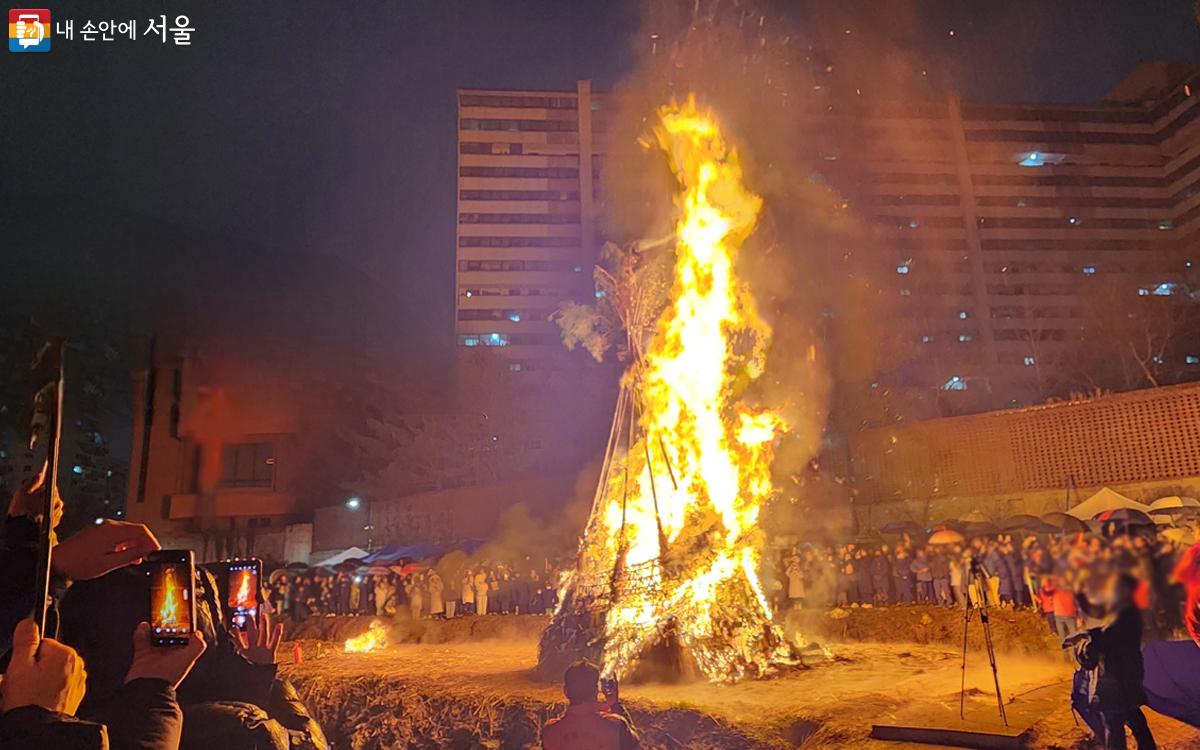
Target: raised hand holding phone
<point>43,672</point>
<point>155,663</point>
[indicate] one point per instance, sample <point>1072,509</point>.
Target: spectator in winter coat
<point>905,583</point>
<point>940,569</point>
<point>923,574</point>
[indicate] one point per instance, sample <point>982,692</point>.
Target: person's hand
<point>100,549</point>
<point>611,691</point>
<point>43,672</point>
<point>29,501</point>
<point>170,663</point>
<point>259,641</point>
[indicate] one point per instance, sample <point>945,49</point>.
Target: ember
<point>375,639</point>
<point>671,550</point>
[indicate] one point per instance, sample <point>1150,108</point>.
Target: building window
<point>955,383</point>
<point>1038,158</point>
<point>1192,359</point>
<point>963,315</point>
<point>248,465</point>
<point>1166,225</point>
<point>902,268</point>
<point>1030,361</point>
<point>1073,220</point>
<point>964,338</point>
<point>1089,270</point>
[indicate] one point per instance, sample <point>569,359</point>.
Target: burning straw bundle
<point>668,560</point>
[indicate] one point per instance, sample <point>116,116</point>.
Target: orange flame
<point>375,639</point>
<point>243,595</point>
<point>686,527</point>
<point>168,612</point>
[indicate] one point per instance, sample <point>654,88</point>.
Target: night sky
<point>290,175</point>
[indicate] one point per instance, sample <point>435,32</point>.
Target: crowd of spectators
<point>1045,572</point>
<point>488,588</point>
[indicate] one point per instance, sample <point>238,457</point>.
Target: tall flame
<point>243,592</point>
<point>682,536</point>
<point>168,613</point>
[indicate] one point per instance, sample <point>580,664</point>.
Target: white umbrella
<point>1174,501</point>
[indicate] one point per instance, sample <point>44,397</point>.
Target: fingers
<point>242,639</point>
<point>276,636</point>
<point>196,646</point>
<point>252,633</point>
<point>141,637</point>
<point>128,543</point>
<point>25,642</point>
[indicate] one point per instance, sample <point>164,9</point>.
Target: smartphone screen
<point>172,591</point>
<point>242,585</point>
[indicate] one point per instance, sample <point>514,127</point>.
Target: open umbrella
<point>949,523</point>
<point>1064,523</point>
<point>901,527</point>
<point>277,574</point>
<point>377,570</point>
<point>946,536</point>
<point>1174,502</point>
<point>297,566</point>
<point>1025,522</point>
<point>1126,517</point>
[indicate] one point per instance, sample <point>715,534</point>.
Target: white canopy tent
<point>1105,499</point>
<point>341,557</point>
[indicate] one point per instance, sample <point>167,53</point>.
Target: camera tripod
<point>978,576</point>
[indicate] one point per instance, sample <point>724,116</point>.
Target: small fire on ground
<point>375,639</point>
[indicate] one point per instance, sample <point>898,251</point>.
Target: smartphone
<point>608,686</point>
<point>242,586</point>
<point>172,596</point>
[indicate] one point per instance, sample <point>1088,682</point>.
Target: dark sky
<point>291,173</point>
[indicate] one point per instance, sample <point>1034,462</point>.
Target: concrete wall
<point>1144,444</point>
<point>437,517</point>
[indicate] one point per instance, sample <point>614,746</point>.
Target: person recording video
<point>45,680</point>
<point>591,722</point>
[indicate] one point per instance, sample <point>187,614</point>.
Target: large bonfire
<point>669,558</point>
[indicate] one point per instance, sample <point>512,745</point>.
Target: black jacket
<point>1119,646</point>
<point>143,714</point>
<point>36,727</point>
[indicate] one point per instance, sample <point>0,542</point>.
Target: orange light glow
<point>375,639</point>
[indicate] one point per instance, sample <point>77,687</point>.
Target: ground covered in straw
<point>469,684</point>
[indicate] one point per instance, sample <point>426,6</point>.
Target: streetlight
<point>355,503</point>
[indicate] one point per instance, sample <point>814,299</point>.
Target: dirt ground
<point>482,693</point>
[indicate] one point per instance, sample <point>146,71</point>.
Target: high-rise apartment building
<point>528,174</point>
<point>1000,221</point>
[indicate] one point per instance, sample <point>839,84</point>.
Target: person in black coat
<point>1118,646</point>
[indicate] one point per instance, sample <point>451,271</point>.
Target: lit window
<point>955,384</point>
<point>469,341</point>
<point>514,316</point>
<point>1157,359</point>
<point>98,521</point>
<point>468,292</point>
<point>495,339</point>
<point>926,339</point>
<point>914,223</point>
<point>962,315</point>
<point>1073,220</point>
<point>599,294</point>
<point>1166,224</point>
<point>905,293</point>
<point>1089,270</point>
<point>1192,359</point>
<point>578,269</point>
<point>1187,264</point>
<point>514,366</point>
<point>964,338</point>
<point>1038,158</point>
<point>1143,292</point>
<point>830,157</point>
<point>77,469</point>
<point>902,268</point>
<point>1030,361</point>
<point>1166,289</point>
